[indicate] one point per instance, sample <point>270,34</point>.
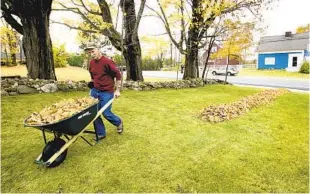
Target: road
<point>263,81</point>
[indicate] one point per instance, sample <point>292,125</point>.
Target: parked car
<point>222,71</point>
<point>122,68</point>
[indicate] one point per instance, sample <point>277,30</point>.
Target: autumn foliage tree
<point>157,48</point>
<point>9,43</point>
<point>238,38</point>
<point>195,19</point>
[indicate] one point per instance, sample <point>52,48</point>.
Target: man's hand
<point>117,93</point>
<point>90,84</point>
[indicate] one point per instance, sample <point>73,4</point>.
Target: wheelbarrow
<point>55,151</point>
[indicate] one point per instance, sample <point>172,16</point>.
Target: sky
<point>286,15</point>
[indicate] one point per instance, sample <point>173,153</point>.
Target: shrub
<point>151,64</point>
<point>76,60</point>
<point>304,67</point>
<point>118,60</point>
<point>60,56</point>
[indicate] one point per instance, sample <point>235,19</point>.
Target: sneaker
<point>100,137</point>
<point>120,128</point>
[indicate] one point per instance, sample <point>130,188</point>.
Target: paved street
<point>264,81</point>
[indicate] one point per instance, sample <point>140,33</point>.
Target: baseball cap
<point>90,46</point>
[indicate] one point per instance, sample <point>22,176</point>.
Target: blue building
<point>283,52</point>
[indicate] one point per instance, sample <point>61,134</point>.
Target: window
<point>294,62</point>
<point>214,49</point>
<point>270,61</point>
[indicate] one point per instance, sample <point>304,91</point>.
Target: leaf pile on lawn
<point>60,110</point>
<point>229,111</point>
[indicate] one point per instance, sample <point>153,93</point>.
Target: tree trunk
<point>6,56</point>
<point>132,48</point>
<point>205,67</point>
<point>191,64</point>
<point>133,63</point>
<point>210,45</point>
<point>37,40</point>
<point>191,57</point>
<point>227,68</point>
<point>37,43</point>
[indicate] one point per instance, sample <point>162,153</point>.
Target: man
<point>103,71</point>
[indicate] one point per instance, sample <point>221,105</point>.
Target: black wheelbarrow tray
<point>55,151</point>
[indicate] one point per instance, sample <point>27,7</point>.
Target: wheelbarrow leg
<point>38,160</point>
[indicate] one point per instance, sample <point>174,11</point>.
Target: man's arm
<point>118,77</point>
<point>118,84</point>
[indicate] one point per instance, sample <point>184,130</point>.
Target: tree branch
<point>135,30</point>
<point>166,24</point>
<point>78,11</point>
<point>183,36</point>
<point>89,11</point>
<point>75,28</point>
<point>7,12</point>
<point>110,32</point>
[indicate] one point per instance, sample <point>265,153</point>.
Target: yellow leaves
<point>229,111</point>
<point>238,37</point>
<point>169,3</point>
<point>9,39</point>
<point>61,110</point>
<point>303,29</point>
<point>154,46</point>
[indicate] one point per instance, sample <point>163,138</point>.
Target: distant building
<point>283,52</point>
<point>220,61</point>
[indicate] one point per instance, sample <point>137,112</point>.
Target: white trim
<point>300,58</point>
<point>274,52</point>
<point>270,61</point>
<point>256,55</point>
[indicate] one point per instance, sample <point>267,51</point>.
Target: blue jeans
<point>103,98</point>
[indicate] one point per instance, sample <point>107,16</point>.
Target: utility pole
<point>171,53</point>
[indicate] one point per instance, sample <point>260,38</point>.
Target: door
<point>294,60</point>
<point>294,63</point>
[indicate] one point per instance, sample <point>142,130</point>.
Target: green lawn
<point>273,73</point>
<point>165,147</point>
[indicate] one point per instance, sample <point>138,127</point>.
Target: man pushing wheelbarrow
<point>103,72</point>
<point>103,87</point>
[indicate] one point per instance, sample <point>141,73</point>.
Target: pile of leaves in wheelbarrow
<point>229,111</point>
<point>60,110</point>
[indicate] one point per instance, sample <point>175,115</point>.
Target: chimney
<point>288,34</point>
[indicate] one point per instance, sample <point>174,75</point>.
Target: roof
<point>282,43</point>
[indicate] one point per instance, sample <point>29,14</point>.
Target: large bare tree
<point>129,45</point>
<point>34,26</point>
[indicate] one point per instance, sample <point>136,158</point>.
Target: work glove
<point>90,85</point>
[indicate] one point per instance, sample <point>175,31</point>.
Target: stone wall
<point>23,85</point>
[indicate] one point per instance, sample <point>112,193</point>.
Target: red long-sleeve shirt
<point>103,72</point>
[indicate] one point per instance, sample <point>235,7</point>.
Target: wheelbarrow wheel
<point>51,148</point>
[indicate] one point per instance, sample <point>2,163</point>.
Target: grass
<point>165,147</point>
<point>273,73</point>
<point>67,73</point>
